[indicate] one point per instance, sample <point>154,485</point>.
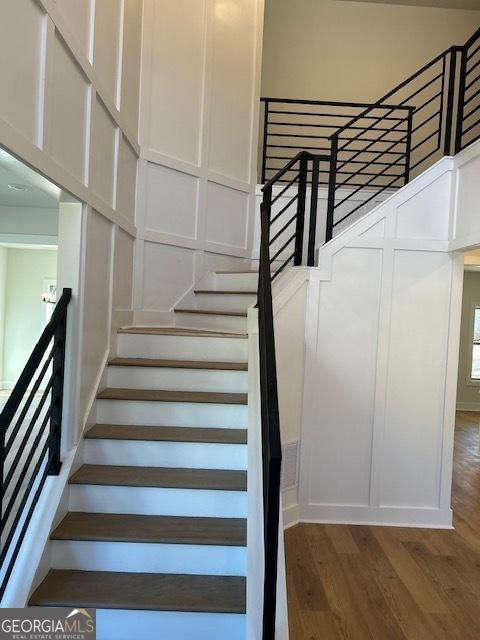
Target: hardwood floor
<point>388,583</point>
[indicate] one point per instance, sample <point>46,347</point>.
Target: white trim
<point>41,161</point>
<point>50,8</point>
<point>381,516</point>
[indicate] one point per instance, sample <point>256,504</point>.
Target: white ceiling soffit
<point>441,4</point>
<point>27,187</point>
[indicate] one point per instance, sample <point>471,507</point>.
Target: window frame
<point>473,382</point>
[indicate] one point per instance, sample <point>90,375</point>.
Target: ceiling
<point>38,191</point>
<point>445,4</point>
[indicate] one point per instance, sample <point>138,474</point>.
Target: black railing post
<point>408,145</point>
<point>332,183</point>
<point>265,135</point>
<point>313,211</point>
<point>302,194</point>
<point>450,96</point>
<point>461,100</point>
<point>54,463</point>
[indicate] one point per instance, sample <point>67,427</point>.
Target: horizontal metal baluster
<point>26,406</point>
<point>285,226</point>
<point>350,195</point>
<point>40,433</point>
<point>419,126</point>
<point>287,261</point>
<point>28,431</point>
<point>41,460</point>
<point>377,193</point>
<point>283,209</point>
<point>291,239</point>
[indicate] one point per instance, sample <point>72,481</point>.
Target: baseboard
<point>382,516</point>
<point>290,516</point>
<point>468,406</point>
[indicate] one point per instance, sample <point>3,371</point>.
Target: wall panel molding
<point>217,54</point>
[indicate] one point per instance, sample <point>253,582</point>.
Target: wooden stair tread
<point>160,477</point>
<point>226,292</point>
<point>141,591</point>
<point>243,271</point>
<point>214,312</point>
<point>167,434</point>
<point>180,331</point>
<point>160,395</point>
<point>122,527</point>
<point>178,364</point>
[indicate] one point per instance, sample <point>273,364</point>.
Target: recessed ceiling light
<point>18,187</point>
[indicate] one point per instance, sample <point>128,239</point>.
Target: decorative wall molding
<point>197,170</point>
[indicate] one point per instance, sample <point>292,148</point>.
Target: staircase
<point>155,535</point>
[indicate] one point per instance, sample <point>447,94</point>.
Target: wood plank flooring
<point>389,583</point>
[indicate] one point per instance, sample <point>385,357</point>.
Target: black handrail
<point>276,238</point>
<point>29,454</point>
<point>271,444</point>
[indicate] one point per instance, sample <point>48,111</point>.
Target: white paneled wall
<point>198,130</point>
<point>367,356</point>
<point>381,355</point>
<point>69,107</point>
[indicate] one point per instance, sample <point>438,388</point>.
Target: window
<point>475,372</point>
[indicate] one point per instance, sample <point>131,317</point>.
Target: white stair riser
<point>189,455</point>
<point>173,414</point>
<point>220,301</point>
<point>132,345</point>
<point>237,324</point>
<point>235,281</point>
<point>149,557</point>
<point>178,379</point>
<point>159,502</point>
<point>121,624</point>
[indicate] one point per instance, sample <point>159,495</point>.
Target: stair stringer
<point>381,351</point>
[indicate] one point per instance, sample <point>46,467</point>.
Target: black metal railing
<point>291,126</point>
<point>420,135</point>
<point>293,210</point>
<point>30,435</point>
<point>283,227</point>
<point>381,146</point>
<point>468,120</point>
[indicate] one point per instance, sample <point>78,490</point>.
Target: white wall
<point>200,90</point>
<point>24,309</point>
<point>353,51</point>
<point>3,284</point>
<point>382,332</point>
<point>69,108</point>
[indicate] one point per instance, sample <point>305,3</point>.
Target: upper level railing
<point>291,126</point>
<point>468,114</point>
<point>422,135</point>
<point>30,434</point>
<point>379,147</point>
